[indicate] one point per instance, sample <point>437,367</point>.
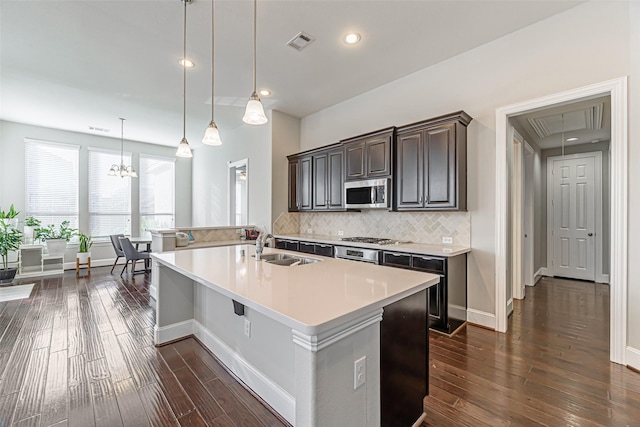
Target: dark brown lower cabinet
<point>404,360</point>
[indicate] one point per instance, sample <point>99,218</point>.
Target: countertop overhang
<point>310,298</point>
<point>406,247</point>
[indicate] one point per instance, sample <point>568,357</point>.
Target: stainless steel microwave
<point>367,194</point>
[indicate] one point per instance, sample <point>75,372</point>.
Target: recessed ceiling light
<point>572,139</point>
<point>352,38</point>
<point>265,92</point>
<point>186,63</point>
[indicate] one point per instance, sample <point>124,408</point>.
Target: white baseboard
<point>457,312</point>
<point>632,357</point>
<point>510,306</point>
<point>263,386</point>
<point>174,331</point>
<point>602,278</point>
<point>542,271</point>
<point>488,320</point>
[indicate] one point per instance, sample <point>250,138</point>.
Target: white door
<point>528,258</point>
<point>573,215</point>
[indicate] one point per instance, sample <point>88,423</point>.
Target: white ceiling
<point>74,64</point>
<point>588,120</point>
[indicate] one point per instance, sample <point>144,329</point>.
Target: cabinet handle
<point>420,201</point>
<point>426,258</point>
<point>395,254</point>
<point>323,246</point>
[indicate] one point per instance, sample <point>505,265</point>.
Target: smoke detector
<point>300,41</point>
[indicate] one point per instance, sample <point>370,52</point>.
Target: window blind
<point>109,196</point>
<point>157,193</point>
<point>51,182</point>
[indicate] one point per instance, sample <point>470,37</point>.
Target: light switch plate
<point>247,327</point>
<point>447,240</point>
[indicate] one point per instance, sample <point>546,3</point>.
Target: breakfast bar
<point>306,336</point>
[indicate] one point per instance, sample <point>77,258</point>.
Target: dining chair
<point>131,254</point>
<point>116,247</point>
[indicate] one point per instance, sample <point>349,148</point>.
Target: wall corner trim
<point>632,357</point>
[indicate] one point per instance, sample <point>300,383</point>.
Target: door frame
<point>231,197</point>
<point>517,216</point>
<point>617,89</point>
<point>597,182</point>
<point>528,218</point>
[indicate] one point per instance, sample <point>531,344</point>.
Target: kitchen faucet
<point>260,242</point>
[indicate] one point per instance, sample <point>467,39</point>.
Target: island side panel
<point>263,360</point>
<point>174,304</point>
<point>325,389</point>
<point>404,352</point>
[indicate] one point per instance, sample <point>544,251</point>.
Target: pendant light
<point>183,149</point>
<point>212,135</point>
<point>254,114</point>
<point>122,171</point>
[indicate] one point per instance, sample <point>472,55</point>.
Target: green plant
<point>85,242</point>
<point>50,232</point>
<point>11,213</point>
<point>10,239</point>
<point>32,222</point>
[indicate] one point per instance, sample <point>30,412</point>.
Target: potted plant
<point>30,224</point>
<point>84,254</point>
<point>10,239</point>
<point>9,217</point>
<point>55,238</point>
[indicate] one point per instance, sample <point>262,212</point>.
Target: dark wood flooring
<point>79,352</point>
<point>551,369</point>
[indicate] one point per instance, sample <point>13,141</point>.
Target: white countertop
<point>215,243</point>
<point>310,298</point>
<point>408,247</point>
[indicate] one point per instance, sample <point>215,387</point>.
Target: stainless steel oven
<point>358,254</point>
<point>367,194</point>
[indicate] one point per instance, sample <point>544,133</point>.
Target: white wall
<point>210,176</point>
<point>285,137</point>
<point>633,296</point>
<point>551,56</point>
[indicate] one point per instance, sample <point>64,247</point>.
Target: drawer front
<point>396,259</point>
<point>308,248</point>
<point>429,263</point>
<point>291,245</point>
<point>324,250</point>
<point>281,244</point>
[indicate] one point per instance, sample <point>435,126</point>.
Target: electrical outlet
<point>447,240</point>
<point>247,327</point>
<point>309,231</point>
<point>340,233</point>
<point>359,372</point>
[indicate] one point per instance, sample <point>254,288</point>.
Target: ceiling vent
<point>97,129</point>
<point>300,41</point>
<point>584,118</point>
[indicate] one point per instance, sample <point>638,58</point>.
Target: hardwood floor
<point>79,352</point>
<point>552,367</point>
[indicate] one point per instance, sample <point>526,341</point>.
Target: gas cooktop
<point>374,240</point>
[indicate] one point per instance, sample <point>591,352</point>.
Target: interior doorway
<point>238,192</point>
<point>617,208</point>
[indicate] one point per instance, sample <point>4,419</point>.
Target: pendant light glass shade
<point>183,149</point>
<point>122,170</point>
<point>254,114</point>
<point>212,135</point>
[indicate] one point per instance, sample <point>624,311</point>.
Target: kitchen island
<point>293,334</point>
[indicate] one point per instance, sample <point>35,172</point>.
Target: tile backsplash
<point>419,227</point>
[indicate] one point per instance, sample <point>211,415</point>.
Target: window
<point>109,196</point>
<point>157,193</point>
<point>51,182</point>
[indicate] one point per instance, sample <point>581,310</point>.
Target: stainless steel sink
<point>287,259</point>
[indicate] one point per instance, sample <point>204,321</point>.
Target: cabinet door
<point>439,158</point>
<point>409,167</point>
<point>305,184</point>
<point>335,179</point>
<point>324,250</point>
<point>355,159</point>
<point>294,185</point>
<point>306,247</point>
<point>320,173</point>
<point>438,305</point>
<point>378,156</point>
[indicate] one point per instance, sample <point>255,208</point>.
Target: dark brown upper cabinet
<point>368,156</point>
<point>328,177</point>
<point>431,164</point>
<point>300,183</point>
